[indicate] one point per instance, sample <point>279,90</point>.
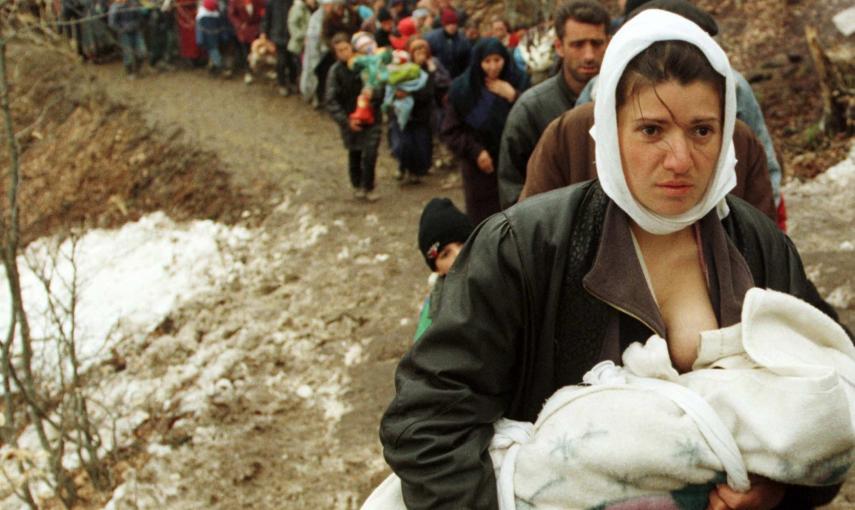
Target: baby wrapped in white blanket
<point>773,395</point>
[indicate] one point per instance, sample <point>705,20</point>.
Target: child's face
<point>446,257</point>
<point>420,56</point>
<point>343,51</point>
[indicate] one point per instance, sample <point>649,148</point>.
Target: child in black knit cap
<point>443,229</point>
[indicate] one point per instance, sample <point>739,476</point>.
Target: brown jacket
<point>565,155</point>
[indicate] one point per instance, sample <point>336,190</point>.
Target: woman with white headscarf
<point>547,289</point>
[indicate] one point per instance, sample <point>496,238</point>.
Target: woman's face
<point>492,66</point>
<point>670,138</point>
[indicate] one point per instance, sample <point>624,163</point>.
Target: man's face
<point>451,28</point>
<point>500,31</point>
<point>387,25</point>
<point>582,51</point>
<point>343,51</point>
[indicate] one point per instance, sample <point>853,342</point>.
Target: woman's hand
<point>485,162</point>
<point>503,89</point>
<point>763,495</point>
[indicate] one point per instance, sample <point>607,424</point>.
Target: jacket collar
<point>617,279</point>
<point>729,268</point>
<point>566,93</point>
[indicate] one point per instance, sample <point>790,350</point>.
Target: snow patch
<point>127,280</point>
<point>353,355</point>
<point>841,297</point>
<point>840,175</point>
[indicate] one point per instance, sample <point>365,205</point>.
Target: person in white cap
<point>545,290</point>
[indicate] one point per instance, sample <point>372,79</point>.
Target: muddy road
<point>325,309</point>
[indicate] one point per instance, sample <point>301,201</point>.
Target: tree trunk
<point>836,73</point>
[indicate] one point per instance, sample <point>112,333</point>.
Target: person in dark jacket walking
<point>449,45</point>
<point>385,27</point>
<point>126,18</point>
<point>411,119</point>
<point>337,18</point>
<point>163,36</point>
<point>360,138</point>
<point>274,26</point>
<point>543,291</point>
<point>581,29</point>
<point>478,104</point>
<point>95,38</point>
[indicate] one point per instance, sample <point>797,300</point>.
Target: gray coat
<point>530,115</point>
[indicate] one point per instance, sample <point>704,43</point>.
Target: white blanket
<point>773,395</point>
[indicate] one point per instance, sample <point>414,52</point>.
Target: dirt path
<point>319,318</point>
<point>307,337</point>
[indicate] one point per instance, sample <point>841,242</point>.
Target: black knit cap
<point>684,8</point>
<point>441,223</point>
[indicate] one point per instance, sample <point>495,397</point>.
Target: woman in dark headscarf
<point>476,110</point>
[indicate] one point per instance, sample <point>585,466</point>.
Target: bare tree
<point>73,407</point>
<point>834,69</point>
<point>59,417</point>
<point>9,223</point>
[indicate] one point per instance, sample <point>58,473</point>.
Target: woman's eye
<point>703,131</point>
<point>650,130</point>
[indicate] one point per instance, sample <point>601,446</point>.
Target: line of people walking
<point>425,68</point>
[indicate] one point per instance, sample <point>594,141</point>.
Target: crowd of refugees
<point>662,222</point>
<point>427,69</point>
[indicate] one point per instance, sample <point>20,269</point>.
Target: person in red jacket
<point>245,17</point>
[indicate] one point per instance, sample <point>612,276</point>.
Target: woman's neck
<point>656,242</point>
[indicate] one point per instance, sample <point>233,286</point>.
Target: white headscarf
<point>637,34</point>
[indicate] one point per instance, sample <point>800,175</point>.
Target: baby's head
<point>363,43</point>
<point>443,230</point>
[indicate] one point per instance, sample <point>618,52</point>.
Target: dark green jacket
<point>518,319</point>
<point>531,113</point>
